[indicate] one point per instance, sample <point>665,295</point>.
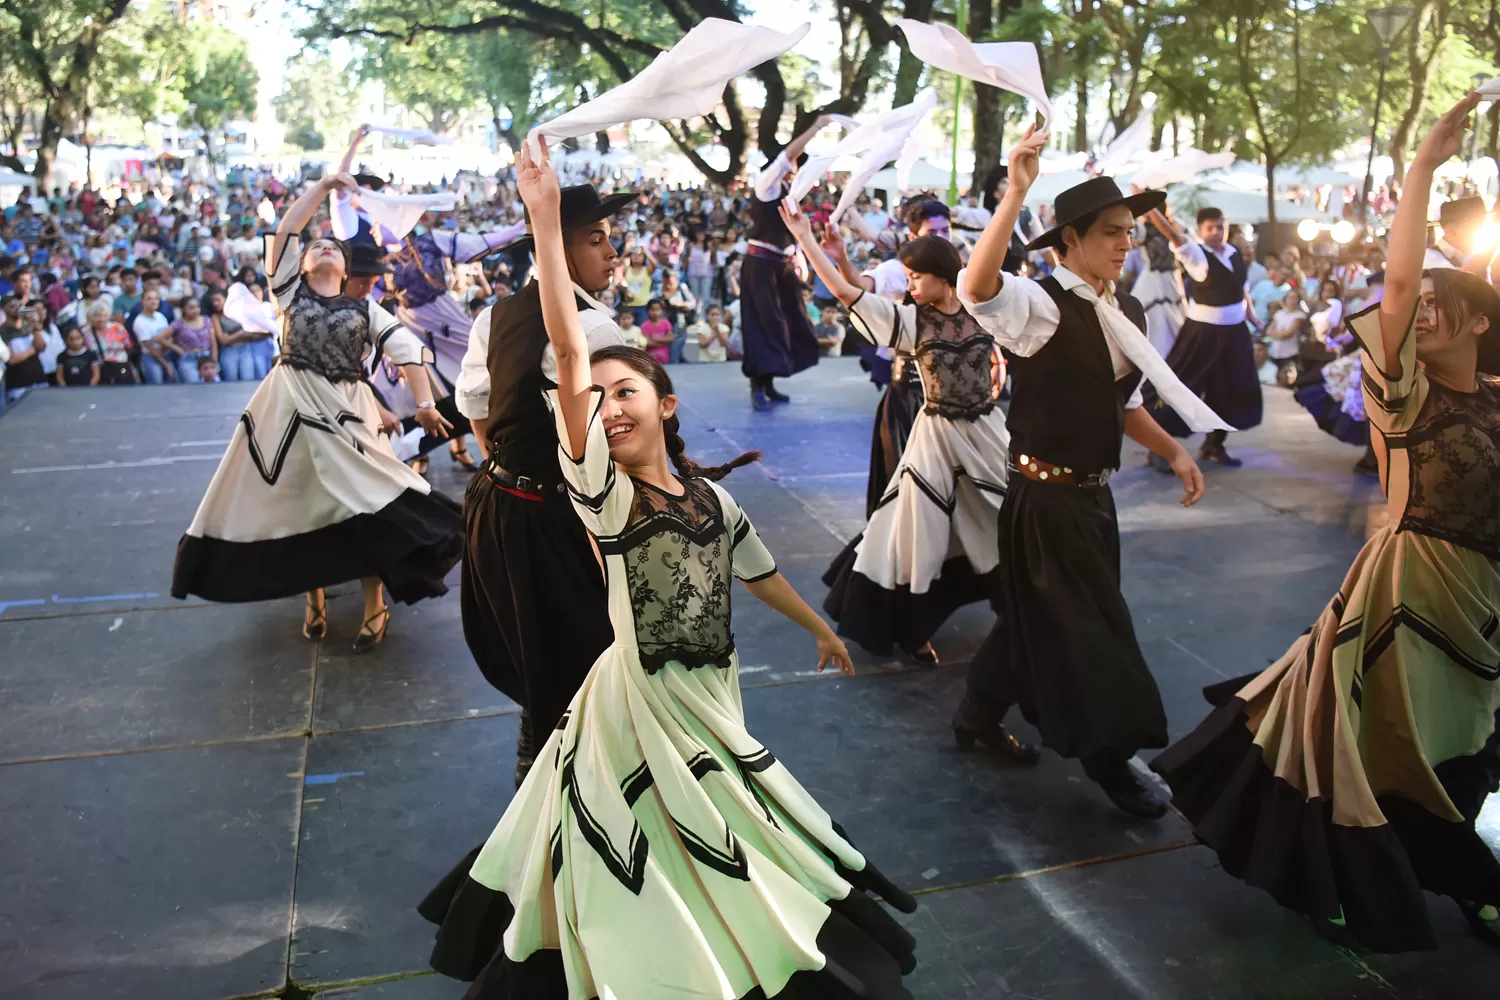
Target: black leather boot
<point>973,724</point>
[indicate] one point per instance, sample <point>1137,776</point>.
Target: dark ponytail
<point>653,371</point>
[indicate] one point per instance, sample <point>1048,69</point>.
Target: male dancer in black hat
<point>533,596</point>
<point>1461,221</point>
<point>1064,647</point>
<point>778,335</point>
<point>1214,354</point>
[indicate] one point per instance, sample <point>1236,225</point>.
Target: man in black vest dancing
<point>533,597</point>
<point>1214,354</point>
<point>777,332</point>
<point>1064,648</point>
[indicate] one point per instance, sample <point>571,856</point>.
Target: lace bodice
<point>1454,452</point>
<point>954,354</point>
<point>1443,446</point>
<point>334,335</point>
<point>327,335</point>
<point>674,557</point>
<point>957,361</point>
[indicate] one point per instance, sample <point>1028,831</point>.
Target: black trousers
<point>534,605</point>
<point>1064,646</point>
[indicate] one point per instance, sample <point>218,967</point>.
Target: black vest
<point>1225,285</point>
<point>522,433</point>
<point>765,222</point>
<point>1066,406</point>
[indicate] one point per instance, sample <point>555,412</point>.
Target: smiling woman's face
<point>632,412</point>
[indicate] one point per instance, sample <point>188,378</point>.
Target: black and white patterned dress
<point>309,493</point>
<point>932,541</point>
<point>656,849</point>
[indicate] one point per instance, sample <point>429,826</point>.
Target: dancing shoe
<point>971,726</point>
<point>758,401</point>
<point>1484,920</point>
<point>369,638</point>
<point>315,621</point>
<point>1132,795</point>
<point>1216,453</point>
<point>775,395</point>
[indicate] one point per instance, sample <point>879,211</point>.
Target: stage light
<point>1486,236</point>
<point>1307,230</point>
<point>1342,231</point>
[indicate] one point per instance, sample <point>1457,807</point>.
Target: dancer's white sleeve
<point>601,496</point>
<point>472,390</point>
<point>751,561</point>
<point>768,181</point>
<point>884,323</point>
<point>1193,260</point>
<point>1021,317</point>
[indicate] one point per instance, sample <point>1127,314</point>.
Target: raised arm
<point>989,253</point>
<point>1407,244</point>
<point>797,146</point>
<point>540,191</point>
<point>800,226</point>
<point>300,211</point>
<point>348,161</point>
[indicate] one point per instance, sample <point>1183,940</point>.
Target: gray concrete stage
<point>197,803</point>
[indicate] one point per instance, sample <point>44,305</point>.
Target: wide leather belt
<point>522,486</point>
<point>767,252</point>
<point>1057,475</point>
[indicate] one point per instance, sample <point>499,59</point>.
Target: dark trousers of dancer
<point>1064,646</point>
<point>1218,364</point>
<point>778,334</point>
<point>534,605</point>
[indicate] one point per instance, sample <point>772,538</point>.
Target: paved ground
<point>196,803</point>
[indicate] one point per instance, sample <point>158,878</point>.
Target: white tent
<point>10,178</point>
<point>924,177</point>
<point>1238,206</point>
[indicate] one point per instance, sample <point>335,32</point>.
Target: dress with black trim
<point>1346,778</point>
<point>657,849</point>
<point>931,545</point>
<point>309,493</point>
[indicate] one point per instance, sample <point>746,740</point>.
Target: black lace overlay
<point>956,358</point>
<point>1158,250</point>
<point>679,565</point>
<point>1454,448</point>
<point>327,335</point>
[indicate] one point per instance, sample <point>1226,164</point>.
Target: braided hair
<point>653,371</point>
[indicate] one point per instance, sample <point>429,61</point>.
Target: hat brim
<point>607,207</point>
<point>1139,205</point>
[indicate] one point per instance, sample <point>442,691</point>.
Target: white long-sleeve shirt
<point>472,390</point>
<point>1194,259</point>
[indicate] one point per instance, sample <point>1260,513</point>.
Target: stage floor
<point>197,803</point>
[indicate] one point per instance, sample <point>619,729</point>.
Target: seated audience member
<point>632,333</point>
<point>659,332</point>
<point>829,331</point>
<point>713,336</point>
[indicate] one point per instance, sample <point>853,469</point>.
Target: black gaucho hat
<point>1094,195</point>
<point>366,258</point>
<point>581,205</point>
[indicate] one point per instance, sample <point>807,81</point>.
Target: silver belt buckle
<point>1099,478</point>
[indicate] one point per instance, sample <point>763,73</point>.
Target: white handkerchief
<point>1154,369</point>
<point>1128,145</point>
<point>1490,90</point>
<point>249,312</point>
<point>876,142</point>
<point>425,136</point>
<point>400,213</point>
<point>1176,169</point>
<point>686,81</point>
<point>1011,66</point>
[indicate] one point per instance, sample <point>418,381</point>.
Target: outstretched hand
<point>536,181</point>
<point>831,649</point>
<point>1446,137</point>
<point>1192,477</point>
<point>342,181</point>
<point>833,244</point>
<point>1025,160</point>
<point>798,224</point>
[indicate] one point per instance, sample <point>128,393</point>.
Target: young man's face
<point>129,283</point>
<point>1211,232</point>
<point>936,225</point>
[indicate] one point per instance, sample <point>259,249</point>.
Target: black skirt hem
<point>866,950</point>
<point>882,620</point>
<point>1271,836</point>
<point>410,544</point>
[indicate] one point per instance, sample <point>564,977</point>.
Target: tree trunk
<point>1419,69</point>
<point>46,151</point>
<point>1081,122</point>
<point>1492,132</point>
<point>909,69</point>
<point>1270,244</point>
<point>989,118</point>
<point>601,141</point>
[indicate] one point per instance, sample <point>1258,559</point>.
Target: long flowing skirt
<point>1217,363</point>
<point>443,325</point>
<point>309,494</point>
<point>1160,294</point>
<point>1346,777</point>
<point>930,546</point>
<point>658,850</point>
<point>894,416</point>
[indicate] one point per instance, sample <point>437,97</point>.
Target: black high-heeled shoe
<point>464,459</point>
<point>368,640</point>
<point>1487,931</point>
<point>315,625</point>
<point>997,738</point>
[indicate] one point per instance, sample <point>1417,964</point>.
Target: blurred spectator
<point>660,337</point>
<point>191,337</point>
<point>713,335</point>
<point>111,341</point>
<point>147,325</point>
<point>632,333</point>
<point>78,364</point>
<point>829,331</point>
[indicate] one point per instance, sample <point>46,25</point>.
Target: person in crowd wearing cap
<point>930,545</point>
<point>309,493</point>
<point>776,330</point>
<point>528,555</point>
<point>368,264</point>
<point>1064,648</point>
<point>1345,779</point>
<point>1214,353</point>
